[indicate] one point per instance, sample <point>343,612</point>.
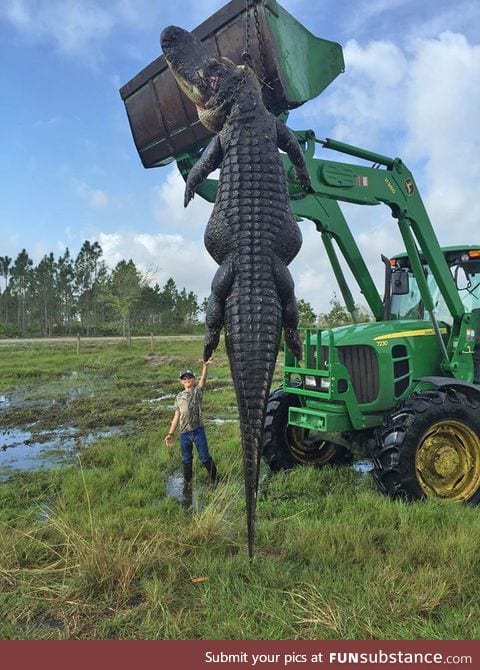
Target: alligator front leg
<point>286,141</point>
<point>209,161</point>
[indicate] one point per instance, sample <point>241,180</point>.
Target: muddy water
<point>22,449</point>
<point>26,447</point>
<point>362,466</point>
<point>188,497</point>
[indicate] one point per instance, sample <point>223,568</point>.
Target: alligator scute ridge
<point>252,233</point>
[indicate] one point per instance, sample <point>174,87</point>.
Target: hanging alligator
<point>252,233</point>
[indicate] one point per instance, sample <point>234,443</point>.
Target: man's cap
<point>186,373</point>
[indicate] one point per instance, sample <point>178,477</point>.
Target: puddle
<point>22,449</point>
<point>364,467</point>
<point>69,387</point>
<point>220,422</point>
<point>188,498</point>
<point>167,396</point>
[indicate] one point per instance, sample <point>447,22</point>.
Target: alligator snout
<point>188,59</point>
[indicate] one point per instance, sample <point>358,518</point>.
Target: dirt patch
<point>154,359</point>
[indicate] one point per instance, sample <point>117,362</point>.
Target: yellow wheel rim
<point>308,448</point>
<point>447,461</point>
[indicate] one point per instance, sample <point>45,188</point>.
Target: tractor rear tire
<point>429,447</point>
<point>286,446</point>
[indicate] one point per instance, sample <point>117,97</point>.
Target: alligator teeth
<point>213,81</point>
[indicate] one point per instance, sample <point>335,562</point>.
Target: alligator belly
<point>253,322</point>
<point>240,223</point>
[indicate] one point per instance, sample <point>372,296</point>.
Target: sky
<point>69,170</point>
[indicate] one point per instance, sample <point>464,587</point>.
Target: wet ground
<point>22,449</point>
<point>189,497</point>
<point>362,466</point>
<point>27,447</point>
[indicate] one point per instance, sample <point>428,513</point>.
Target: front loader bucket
<point>299,67</point>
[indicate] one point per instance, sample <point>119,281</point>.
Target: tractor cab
<point>406,301</point>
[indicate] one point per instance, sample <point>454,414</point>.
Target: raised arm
<point>286,141</point>
<point>203,377</point>
<point>209,161</point>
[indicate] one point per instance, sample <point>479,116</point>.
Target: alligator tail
<point>252,298</point>
<point>253,323</point>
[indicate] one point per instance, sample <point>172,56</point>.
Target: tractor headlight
<point>325,383</point>
<point>322,383</point>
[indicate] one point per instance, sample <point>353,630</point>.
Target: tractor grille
<point>362,365</point>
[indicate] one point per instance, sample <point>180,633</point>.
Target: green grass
<point>99,550</point>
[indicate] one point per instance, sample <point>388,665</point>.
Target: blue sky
<point>69,169</point>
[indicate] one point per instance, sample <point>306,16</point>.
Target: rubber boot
<point>187,472</point>
<point>187,485</point>
<point>212,470</point>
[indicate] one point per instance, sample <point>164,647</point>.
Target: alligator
<point>252,233</point>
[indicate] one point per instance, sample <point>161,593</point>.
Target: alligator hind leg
<point>221,285</point>
<point>285,287</point>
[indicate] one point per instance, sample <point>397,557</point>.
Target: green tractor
<point>404,388</point>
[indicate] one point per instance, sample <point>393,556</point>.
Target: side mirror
<point>462,281</point>
<point>400,282</point>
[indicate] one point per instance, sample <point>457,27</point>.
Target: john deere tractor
<point>405,387</point>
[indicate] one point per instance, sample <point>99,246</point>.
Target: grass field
<point>101,547</point>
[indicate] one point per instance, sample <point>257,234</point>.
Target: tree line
<point>69,296</point>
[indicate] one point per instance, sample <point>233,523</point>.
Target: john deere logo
<point>409,187</point>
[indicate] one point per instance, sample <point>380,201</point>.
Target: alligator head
<point>209,82</point>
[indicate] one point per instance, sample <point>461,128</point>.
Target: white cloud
<point>163,256</point>
<point>95,197</point>
<point>421,103</point>
<point>177,250</point>
<point>366,99</point>
<point>461,16</point>
<point>443,100</point>
<point>168,206</point>
<point>74,26</point>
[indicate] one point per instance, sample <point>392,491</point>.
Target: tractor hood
<point>379,334</point>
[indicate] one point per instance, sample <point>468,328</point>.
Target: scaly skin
<point>252,233</point>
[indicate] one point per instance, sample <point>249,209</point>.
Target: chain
<point>246,56</point>
<point>260,47</point>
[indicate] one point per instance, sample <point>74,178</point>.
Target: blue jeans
<point>197,437</point>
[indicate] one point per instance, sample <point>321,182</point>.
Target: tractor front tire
<point>286,446</point>
<point>429,447</point>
